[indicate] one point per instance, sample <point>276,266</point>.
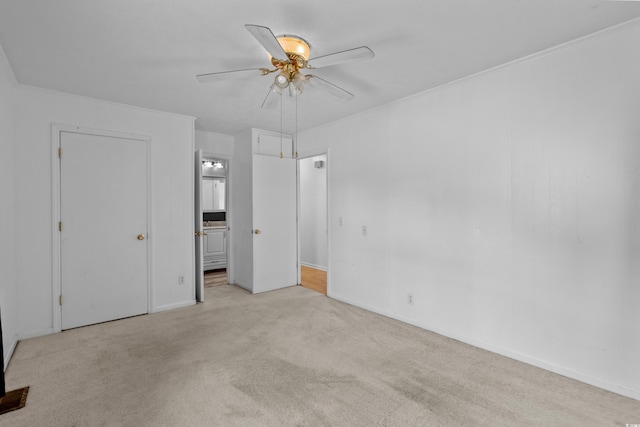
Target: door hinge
<point>60,226</point>
<point>59,152</point>
<point>60,299</point>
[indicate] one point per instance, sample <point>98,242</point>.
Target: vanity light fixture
<point>216,164</point>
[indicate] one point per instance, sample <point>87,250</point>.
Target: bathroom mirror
<point>213,194</point>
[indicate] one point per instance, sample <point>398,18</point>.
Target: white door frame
<point>306,155</point>
<point>56,130</point>
<point>229,212</point>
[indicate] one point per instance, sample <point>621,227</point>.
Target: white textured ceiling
<point>147,52</point>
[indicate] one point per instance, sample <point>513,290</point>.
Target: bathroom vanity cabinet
<point>215,248</point>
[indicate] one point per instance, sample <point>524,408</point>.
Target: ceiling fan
<point>290,54</point>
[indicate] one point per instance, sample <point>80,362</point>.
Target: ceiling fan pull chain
<point>281,125</point>
<point>295,141</point>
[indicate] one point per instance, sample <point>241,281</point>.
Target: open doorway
<point>214,196</point>
<point>313,223</point>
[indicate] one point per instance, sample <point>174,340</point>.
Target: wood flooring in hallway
<point>313,279</point>
<point>215,278</point>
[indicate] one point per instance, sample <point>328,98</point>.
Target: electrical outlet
<point>364,230</point>
<point>410,299</point>
<point>181,279</point>
<point>340,221</point>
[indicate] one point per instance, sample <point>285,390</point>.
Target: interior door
<point>103,237</point>
<point>198,227</point>
<point>274,223</point>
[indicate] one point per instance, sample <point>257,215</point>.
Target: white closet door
<point>103,242</point>
<point>274,223</point>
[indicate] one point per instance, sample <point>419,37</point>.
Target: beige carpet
<point>287,358</point>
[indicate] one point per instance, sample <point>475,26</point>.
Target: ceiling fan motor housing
<point>297,50</point>
<point>295,45</point>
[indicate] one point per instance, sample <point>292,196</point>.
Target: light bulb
<point>281,81</point>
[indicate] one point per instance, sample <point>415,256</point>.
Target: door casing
<point>199,259</point>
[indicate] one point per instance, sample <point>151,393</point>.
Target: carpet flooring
<point>291,357</point>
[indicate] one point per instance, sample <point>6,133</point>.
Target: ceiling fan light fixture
<point>297,84</point>
<point>281,81</point>
<point>296,45</point>
<point>289,54</point>
<point>276,89</point>
<point>294,90</point>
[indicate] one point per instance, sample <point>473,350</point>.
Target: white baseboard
<point>317,267</point>
<point>34,334</point>
<point>172,306</point>
<point>9,354</point>
<point>243,286</point>
<point>633,393</point>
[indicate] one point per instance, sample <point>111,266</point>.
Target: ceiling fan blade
<point>334,90</point>
<point>271,101</point>
<point>350,55</point>
<point>226,75</point>
<point>266,38</point>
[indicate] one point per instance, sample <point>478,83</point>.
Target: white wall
<point>214,143</point>
<point>171,232</point>
<point>509,210</point>
<point>313,212</point>
<point>242,211</point>
<point>8,281</point>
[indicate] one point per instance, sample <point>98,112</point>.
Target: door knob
<point>256,231</point>
<point>140,236</point>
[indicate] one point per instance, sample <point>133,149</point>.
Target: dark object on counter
<point>214,216</point>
